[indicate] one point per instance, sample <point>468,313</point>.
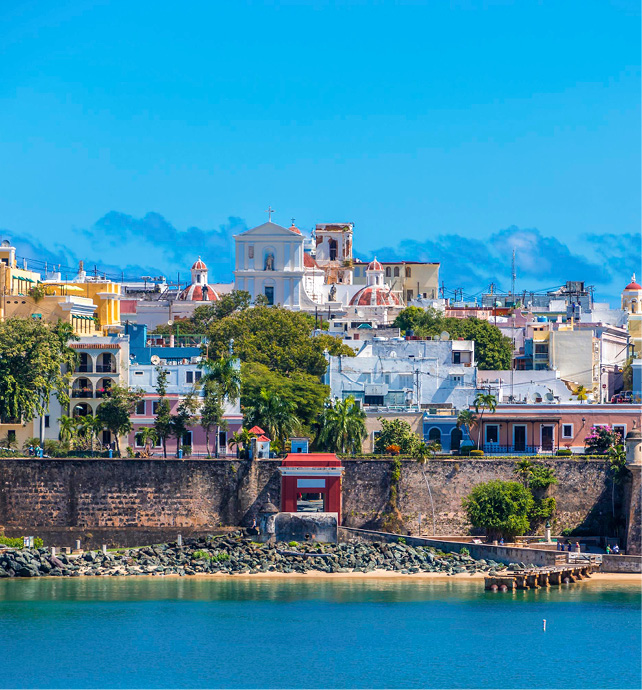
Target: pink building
<point>547,428</point>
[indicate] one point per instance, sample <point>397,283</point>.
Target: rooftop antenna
<point>513,276</point>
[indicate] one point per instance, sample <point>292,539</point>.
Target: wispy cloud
<point>122,244</point>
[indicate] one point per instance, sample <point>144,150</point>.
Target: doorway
<point>547,438</point>
<point>310,503</point>
<point>519,438</point>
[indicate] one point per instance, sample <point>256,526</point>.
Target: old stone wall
<point>122,496</point>
<point>583,492</point>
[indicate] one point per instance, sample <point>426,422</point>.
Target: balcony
<point>84,369</point>
<point>105,368</point>
<point>82,393</point>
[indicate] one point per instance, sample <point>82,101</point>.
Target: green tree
<point>35,363</point>
<point>493,350</point>
<point>224,373</point>
<point>306,392</point>
<point>524,470</point>
<point>147,437</point>
<point>275,415</point>
<point>115,411</point>
<point>212,413</point>
<point>342,427</point>
<point>184,418</point>
<point>277,338</point>
<point>67,429</point>
<point>241,438</point>
<point>467,419</point>
<point>397,432</point>
<point>163,419</point>
<point>484,401</point>
<point>501,508</point>
<point>581,394</point>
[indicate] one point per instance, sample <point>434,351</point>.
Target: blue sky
<point>138,135</point>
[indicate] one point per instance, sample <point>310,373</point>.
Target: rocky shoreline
<point>236,554</point>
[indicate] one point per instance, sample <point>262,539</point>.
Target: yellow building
<point>408,279</point>
<point>632,304</point>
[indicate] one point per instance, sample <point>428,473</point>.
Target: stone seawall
<point>132,497</point>
<point>583,492</point>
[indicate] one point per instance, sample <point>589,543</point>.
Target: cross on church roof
<point>269,210</point>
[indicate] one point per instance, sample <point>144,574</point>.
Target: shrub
<point>18,543</point>
<point>465,450</point>
<point>130,452</point>
<point>501,508</point>
<point>393,449</point>
<point>476,453</point>
<point>401,540</point>
<point>221,556</point>
<point>293,543</point>
<point>567,532</point>
<point>200,554</point>
<point>564,452</point>
<point>464,551</point>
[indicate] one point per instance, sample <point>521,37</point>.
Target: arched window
<point>388,272</point>
<point>434,435</point>
<point>85,365</point>
<point>396,271</point>
<point>81,410</point>
<point>456,436</point>
<point>332,245</point>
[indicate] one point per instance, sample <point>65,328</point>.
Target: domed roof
<point>374,296</point>
<point>199,265</point>
<point>374,266</point>
<point>309,261</point>
<point>294,228</point>
<point>194,293</point>
<point>633,285</point>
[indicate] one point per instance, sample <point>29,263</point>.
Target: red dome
<point>374,266</point>
<point>199,265</point>
<point>294,228</point>
<point>374,296</point>
<point>194,293</point>
<point>308,261</point>
<point>633,285</point>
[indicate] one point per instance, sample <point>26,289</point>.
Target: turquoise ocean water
<point>244,633</point>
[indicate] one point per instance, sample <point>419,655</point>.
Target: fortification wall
<point>124,497</point>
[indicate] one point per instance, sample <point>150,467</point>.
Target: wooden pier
<point>534,578</point>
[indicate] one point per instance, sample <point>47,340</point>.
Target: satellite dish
<point>6,243</point>
<point>155,359</point>
<point>444,335</point>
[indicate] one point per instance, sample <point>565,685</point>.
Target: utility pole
<point>513,276</point>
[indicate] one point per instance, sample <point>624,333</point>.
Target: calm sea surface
<point>240,633</point>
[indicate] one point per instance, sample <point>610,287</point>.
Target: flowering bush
<point>601,439</point>
<point>393,449</point>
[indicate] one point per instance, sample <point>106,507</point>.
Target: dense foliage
<point>115,412</point>
<point>397,432</point>
<point>342,427</point>
<point>492,349</point>
<point>601,439</point>
<point>35,362</point>
<point>306,392</point>
<point>277,338</point>
<point>501,508</point>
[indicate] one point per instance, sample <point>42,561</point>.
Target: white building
<point>405,373</point>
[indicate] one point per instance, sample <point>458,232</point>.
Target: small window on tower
<point>250,252</point>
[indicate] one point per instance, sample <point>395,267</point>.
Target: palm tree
<point>343,427</point>
<point>147,437</point>
<point>222,381</point>
<point>467,419</point>
<point>85,426</point>
<point>524,468</point>
<point>422,455</point>
<point>67,426</point>
<point>241,438</point>
<point>274,414</point>
<point>617,462</point>
<point>580,392</point>
<point>97,427</point>
<point>484,401</point>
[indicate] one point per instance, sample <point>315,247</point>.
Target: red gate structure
<point>314,473</point>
